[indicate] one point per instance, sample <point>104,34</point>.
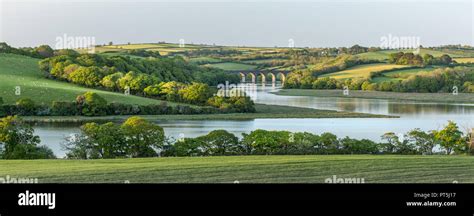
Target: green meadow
<point>362,71</point>
<point>248,169</point>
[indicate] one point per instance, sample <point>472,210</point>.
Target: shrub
<point>92,104</point>
<point>62,108</point>
<point>26,106</point>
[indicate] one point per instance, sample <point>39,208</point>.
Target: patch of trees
<point>305,78</point>
<point>110,141</point>
<point>402,58</point>
<point>144,53</point>
<point>136,137</point>
<point>439,80</point>
<point>449,140</point>
<point>92,104</point>
<point>43,51</point>
<point>17,141</point>
<point>145,77</point>
<point>141,71</point>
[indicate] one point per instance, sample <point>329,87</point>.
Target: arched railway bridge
<point>264,74</point>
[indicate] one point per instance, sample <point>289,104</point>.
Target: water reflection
<point>376,106</point>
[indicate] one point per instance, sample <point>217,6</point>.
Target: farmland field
<point>204,59</point>
<point>232,66</point>
<point>361,71</point>
<point>464,60</point>
<point>248,169</point>
<point>383,55</point>
<point>401,74</point>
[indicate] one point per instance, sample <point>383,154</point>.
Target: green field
<point>204,59</point>
<point>401,74</point>
<point>361,71</point>
<point>379,55</point>
<point>261,61</point>
<point>383,55</point>
<point>232,66</point>
<point>163,48</point>
<point>248,169</point>
<point>23,71</point>
<point>422,97</point>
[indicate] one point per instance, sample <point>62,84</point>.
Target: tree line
<point>402,58</point>
<point>137,137</point>
<point>439,80</point>
<point>92,104</point>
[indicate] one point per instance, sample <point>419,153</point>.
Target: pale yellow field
<point>464,60</point>
<point>362,71</point>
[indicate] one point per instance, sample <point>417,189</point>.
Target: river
<point>426,116</point>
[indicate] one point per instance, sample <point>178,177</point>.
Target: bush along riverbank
<point>137,137</point>
<point>92,104</point>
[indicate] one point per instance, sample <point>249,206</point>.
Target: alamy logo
<point>336,180</point>
<point>82,42</point>
<point>37,199</point>
<point>396,42</point>
<point>231,90</point>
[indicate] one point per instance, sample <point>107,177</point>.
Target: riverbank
<point>263,112</point>
<point>420,97</point>
<point>248,169</point>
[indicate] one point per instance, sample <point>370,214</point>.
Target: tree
<point>152,90</point>
<point>106,140</point>
<point>187,147</point>
<point>68,52</point>
<point>354,146</point>
<point>196,93</point>
<point>428,59</point>
<point>425,142</point>
<point>170,90</point>
<point>221,142</point>
<point>17,141</point>
<point>26,106</point>
<point>140,82</point>
<point>451,138</point>
<point>88,76</point>
<point>92,104</point>
<point>445,60</point>
<point>112,81</point>
<point>144,138</point>
<point>266,142</point>
<point>45,51</point>
<point>392,141</point>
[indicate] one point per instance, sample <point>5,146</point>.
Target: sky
<point>319,23</point>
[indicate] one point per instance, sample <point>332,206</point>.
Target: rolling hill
<point>21,71</point>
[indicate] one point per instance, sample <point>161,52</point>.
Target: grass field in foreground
<point>22,71</point>
<point>362,71</point>
<point>248,169</point>
<point>422,97</point>
<point>263,111</point>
